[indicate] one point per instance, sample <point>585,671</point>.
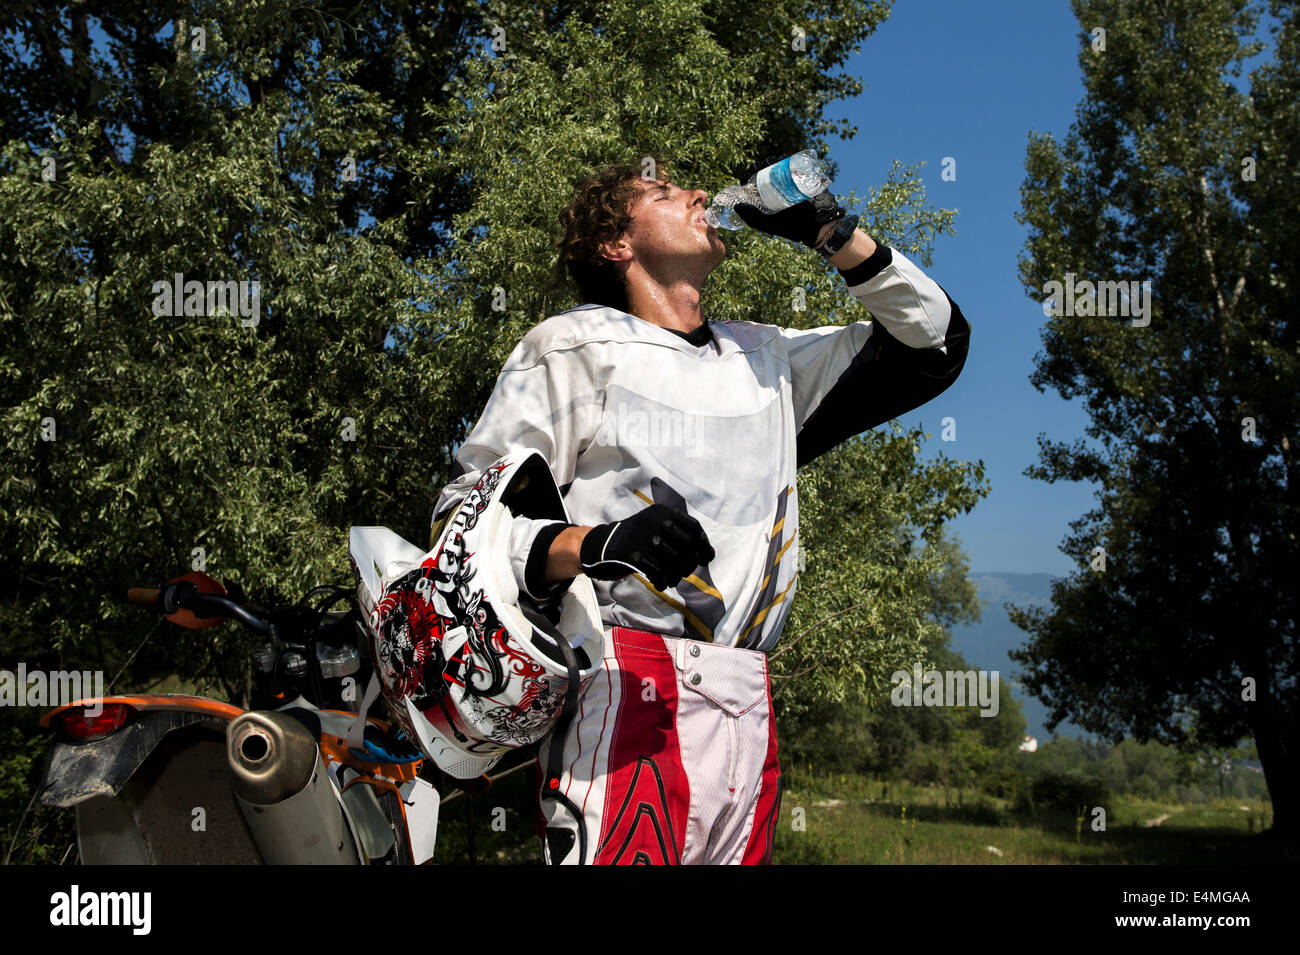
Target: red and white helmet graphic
<point>470,667</point>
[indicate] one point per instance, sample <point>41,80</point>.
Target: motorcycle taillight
<point>80,725</point>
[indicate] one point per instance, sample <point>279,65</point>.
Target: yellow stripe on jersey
<point>694,621</point>
<point>762,614</point>
<point>784,547</point>
<point>696,581</point>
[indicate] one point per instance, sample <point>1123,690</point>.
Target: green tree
<point>382,172</point>
<point>1172,174</point>
<point>862,731</point>
<point>132,439</point>
<point>873,598</point>
<point>838,718</point>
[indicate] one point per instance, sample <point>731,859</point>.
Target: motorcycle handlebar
<point>181,594</point>
<point>225,607</point>
<point>147,596</point>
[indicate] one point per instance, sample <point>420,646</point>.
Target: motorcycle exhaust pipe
<point>284,793</point>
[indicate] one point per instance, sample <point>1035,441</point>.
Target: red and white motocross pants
<point>670,759</point>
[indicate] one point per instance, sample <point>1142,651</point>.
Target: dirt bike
<point>305,775</point>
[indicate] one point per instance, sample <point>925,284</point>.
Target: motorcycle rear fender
<point>156,701</point>
<point>80,771</point>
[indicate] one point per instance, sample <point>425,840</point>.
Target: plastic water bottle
<point>779,186</point>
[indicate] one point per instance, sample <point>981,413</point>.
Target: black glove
<point>658,542</point>
<point>803,222</point>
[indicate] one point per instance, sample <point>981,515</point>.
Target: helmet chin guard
<point>470,667</point>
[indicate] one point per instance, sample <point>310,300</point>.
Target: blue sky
<point>952,79</point>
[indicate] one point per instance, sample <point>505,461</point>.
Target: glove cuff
<point>839,238</point>
<point>825,210</point>
<point>592,550</point>
<point>535,582</point>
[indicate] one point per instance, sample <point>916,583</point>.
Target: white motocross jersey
<point>628,414</point>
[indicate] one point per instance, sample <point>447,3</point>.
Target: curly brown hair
<point>600,212</point>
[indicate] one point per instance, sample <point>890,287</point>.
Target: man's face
<point>668,229</point>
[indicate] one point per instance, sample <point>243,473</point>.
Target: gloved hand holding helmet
<point>470,667</point>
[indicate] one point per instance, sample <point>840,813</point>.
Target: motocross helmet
<point>470,667</point>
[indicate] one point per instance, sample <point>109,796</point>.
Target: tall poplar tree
<point>1179,171</point>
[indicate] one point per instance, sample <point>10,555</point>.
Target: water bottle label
<point>776,187</point>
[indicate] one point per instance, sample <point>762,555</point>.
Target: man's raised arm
<point>847,379</point>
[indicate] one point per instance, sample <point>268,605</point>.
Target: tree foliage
<point>881,579</point>
<point>385,172</point>
<point>1174,174</point>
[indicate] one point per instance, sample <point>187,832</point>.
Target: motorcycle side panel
<point>422,804</point>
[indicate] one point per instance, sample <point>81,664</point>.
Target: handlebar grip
<point>143,595</point>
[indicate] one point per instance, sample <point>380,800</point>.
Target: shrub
<point>1068,791</point>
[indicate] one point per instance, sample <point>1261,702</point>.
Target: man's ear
<point>617,251</point>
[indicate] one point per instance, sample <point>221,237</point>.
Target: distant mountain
<point>986,644</point>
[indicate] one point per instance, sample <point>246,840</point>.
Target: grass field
<point>851,819</point>
<point>854,820</point>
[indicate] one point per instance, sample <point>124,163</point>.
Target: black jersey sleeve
<point>848,379</point>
